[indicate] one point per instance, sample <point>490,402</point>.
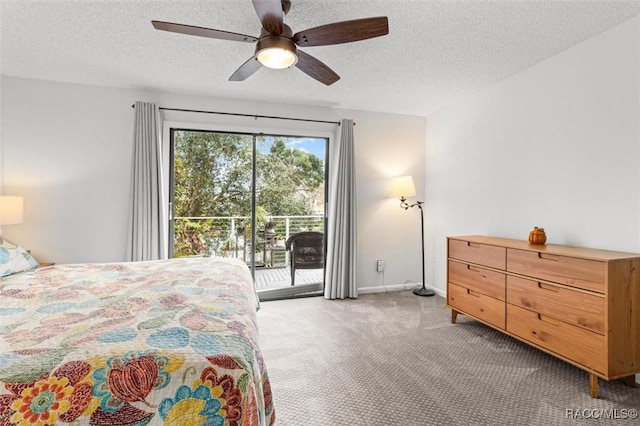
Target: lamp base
<point>423,292</point>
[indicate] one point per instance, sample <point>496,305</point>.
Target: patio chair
<point>307,251</point>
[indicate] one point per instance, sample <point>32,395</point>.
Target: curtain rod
<point>256,116</point>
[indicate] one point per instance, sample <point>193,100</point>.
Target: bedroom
<point>555,144</point>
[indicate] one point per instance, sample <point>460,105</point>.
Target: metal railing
<point>230,236</point>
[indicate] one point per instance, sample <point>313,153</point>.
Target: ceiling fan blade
<point>202,32</point>
<point>316,69</point>
<point>343,32</point>
<point>246,70</point>
<point>270,13</point>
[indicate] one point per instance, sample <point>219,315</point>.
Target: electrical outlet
<point>380,266</point>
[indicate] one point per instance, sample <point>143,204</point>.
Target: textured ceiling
<point>436,51</point>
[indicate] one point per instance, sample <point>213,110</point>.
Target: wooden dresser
<point>581,305</point>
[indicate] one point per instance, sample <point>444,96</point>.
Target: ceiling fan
<point>277,46</point>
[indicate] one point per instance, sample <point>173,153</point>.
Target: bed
<point>159,342</point>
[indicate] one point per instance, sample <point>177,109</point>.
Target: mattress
<point>160,342</point>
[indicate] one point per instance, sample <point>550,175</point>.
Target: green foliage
<point>189,237</point>
<point>212,173</point>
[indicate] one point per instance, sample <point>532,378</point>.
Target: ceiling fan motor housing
<point>277,51</point>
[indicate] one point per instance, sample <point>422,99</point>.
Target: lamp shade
<point>277,58</point>
<point>11,209</point>
<point>402,186</point>
<point>276,52</point>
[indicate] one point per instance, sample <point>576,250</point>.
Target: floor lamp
<point>403,187</point>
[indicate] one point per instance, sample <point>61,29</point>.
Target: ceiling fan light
<point>276,52</point>
<point>277,58</point>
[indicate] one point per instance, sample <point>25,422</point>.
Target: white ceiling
<point>436,51</point>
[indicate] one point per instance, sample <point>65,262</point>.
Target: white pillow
<point>14,258</point>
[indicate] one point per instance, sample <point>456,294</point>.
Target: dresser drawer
<point>482,280</point>
<point>575,343</point>
<point>571,306</point>
<point>476,304</point>
<point>481,254</point>
<point>575,272</point>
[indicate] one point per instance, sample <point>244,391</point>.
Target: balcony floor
<point>278,277</point>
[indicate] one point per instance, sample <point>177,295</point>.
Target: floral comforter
<point>164,342</point>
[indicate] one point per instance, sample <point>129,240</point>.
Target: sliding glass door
<point>243,196</point>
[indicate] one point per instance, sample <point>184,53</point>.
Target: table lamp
<point>11,209</point>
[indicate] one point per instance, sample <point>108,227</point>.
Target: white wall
<point>387,146</point>
<point>1,149</point>
<point>556,146</point>
<point>67,149</point>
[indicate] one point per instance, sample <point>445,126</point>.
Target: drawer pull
<point>547,257</point>
<point>472,269</point>
<point>476,270</point>
<point>471,293</point>
<point>548,287</point>
<point>472,245</point>
<point>548,319</point>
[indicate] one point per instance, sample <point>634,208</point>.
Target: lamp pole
<point>422,291</point>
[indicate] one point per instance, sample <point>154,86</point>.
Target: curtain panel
<point>340,275</point>
<point>147,239</point>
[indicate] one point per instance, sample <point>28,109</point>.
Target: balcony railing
<point>230,236</point>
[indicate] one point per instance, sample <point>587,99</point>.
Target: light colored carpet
<point>396,359</point>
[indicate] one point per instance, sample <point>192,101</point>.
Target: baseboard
<point>381,289</point>
<point>397,287</point>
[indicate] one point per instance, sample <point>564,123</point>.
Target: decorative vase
<point>537,236</point>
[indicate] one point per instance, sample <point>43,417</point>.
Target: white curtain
<point>340,278</point>
<point>147,239</point>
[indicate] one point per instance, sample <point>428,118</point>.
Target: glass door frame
<point>267,294</point>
